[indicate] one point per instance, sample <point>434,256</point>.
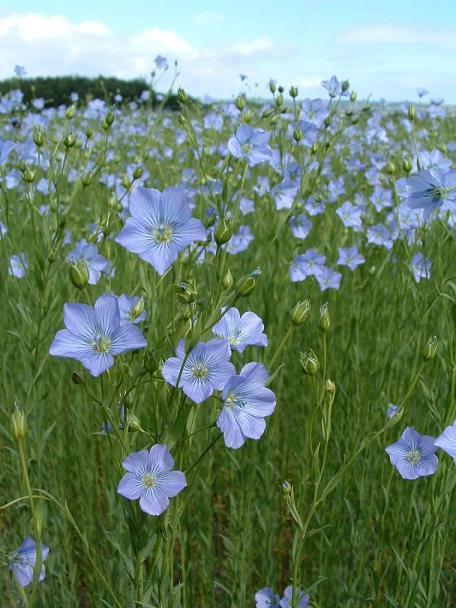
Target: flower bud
<point>18,424</point>
<point>227,281</point>
<point>86,179</point>
<point>309,362</point>
<point>314,148</point>
<point>126,182</point>
<point>70,112</point>
<point>300,312</point>
<point>407,165</point>
<point>353,96</point>
<point>138,172</point>
<point>110,117</point>
<point>133,422</point>
<point>272,86</point>
<point>281,89</point>
<point>297,135</point>
<point>245,285</point>
<point>38,137</point>
<point>431,348</point>
<point>224,230</point>
<point>240,102</point>
<point>390,168</point>
<point>345,86</point>
<point>89,133</point>
<point>411,113</point>
<point>279,100</point>
<point>287,488</point>
<point>79,274</point>
<point>293,92</point>
<point>330,389</point>
<point>69,141</point>
<point>182,95</point>
<point>325,320</point>
<point>28,175</point>
<point>77,378</point>
<point>138,308</point>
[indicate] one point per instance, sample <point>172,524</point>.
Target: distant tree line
<point>57,90</point>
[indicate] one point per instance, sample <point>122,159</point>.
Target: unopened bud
<point>390,168</point>
<point>138,308</point>
<point>224,230</point>
<point>353,96</point>
<point>245,285</point>
<point>69,141</point>
<point>138,172</point>
<point>345,86</point>
<point>133,422</point>
<point>77,378</point>
<point>70,112</point>
<point>89,133</point>
<point>240,102</point>
<point>110,117</point>
<point>227,281</point>
<point>38,137</point>
<point>411,113</point>
<point>272,86</point>
<point>18,424</point>
<point>293,92</point>
<point>126,182</point>
<point>309,362</point>
<point>79,274</point>
<point>431,348</point>
<point>86,179</point>
<point>407,165</point>
<point>330,388</point>
<point>325,320</point>
<point>300,312</point>
<point>182,95</point>
<point>297,135</point>
<point>28,175</point>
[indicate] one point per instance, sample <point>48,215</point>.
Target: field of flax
<point>228,353</point>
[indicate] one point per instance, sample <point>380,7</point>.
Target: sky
<point>385,48</point>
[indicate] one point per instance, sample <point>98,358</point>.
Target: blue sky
<point>386,49</point>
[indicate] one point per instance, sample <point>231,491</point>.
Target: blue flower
<point>266,598</point>
<point>307,265</point>
<point>391,411</point>
<point>246,402</point>
<point>151,479</point>
<point>23,562</point>
<point>18,265</point>
<point>351,257</point>
<point>241,331</point>
<point>302,596</point>
<point>6,147</point>
<point>413,455</point>
<point>300,226</point>
<point>206,368</point>
<point>327,278</point>
<point>94,336</point>
<point>87,254</point>
<point>447,441</point>
<point>334,87</point>
<point>251,145</point>
<point>420,267</point>
<point>430,189</point>
<point>161,226</point>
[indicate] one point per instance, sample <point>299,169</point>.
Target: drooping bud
<point>325,320</point>
<point>79,274</point>
<point>245,285</point>
<point>309,362</point>
<point>18,424</point>
<point>300,312</point>
<point>430,348</point>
